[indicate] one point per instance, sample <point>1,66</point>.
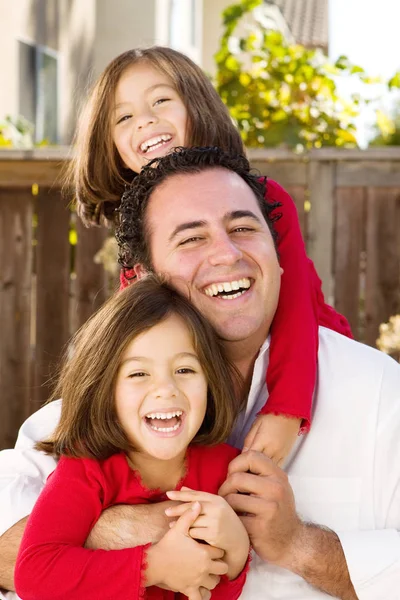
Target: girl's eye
<point>185,371</point>
<point>137,374</point>
<point>161,101</point>
<point>122,119</point>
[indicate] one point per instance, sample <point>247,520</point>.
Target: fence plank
<point>349,242</point>
<point>53,275</point>
<point>91,280</point>
<point>368,174</point>
<point>383,259</point>
<point>15,310</point>
<point>299,194</point>
<point>321,177</point>
<point>293,172</point>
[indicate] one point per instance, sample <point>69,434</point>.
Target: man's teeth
<point>155,142</point>
<point>241,285</point>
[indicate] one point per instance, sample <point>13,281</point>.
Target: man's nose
<point>224,251</point>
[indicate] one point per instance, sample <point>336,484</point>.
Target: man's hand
<point>274,435</point>
<point>217,524</point>
<point>260,493</point>
<point>124,526</point>
<point>183,565</point>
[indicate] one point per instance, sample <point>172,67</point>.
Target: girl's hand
<point>274,435</point>
<point>217,524</point>
<point>179,563</point>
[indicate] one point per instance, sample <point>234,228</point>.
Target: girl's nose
<point>145,119</point>
<point>224,252</point>
<point>165,389</point>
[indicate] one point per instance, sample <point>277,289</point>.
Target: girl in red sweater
<point>147,102</point>
<point>148,398</point>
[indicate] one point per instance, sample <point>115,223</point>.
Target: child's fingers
<point>205,593</point>
<point>185,522</point>
<point>177,511</point>
<point>199,533</point>
<point>189,496</point>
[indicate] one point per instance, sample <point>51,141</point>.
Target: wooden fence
<point>349,209</point>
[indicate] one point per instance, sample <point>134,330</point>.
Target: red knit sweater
<point>52,562</point>
<point>292,369</point>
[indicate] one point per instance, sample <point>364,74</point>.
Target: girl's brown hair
<point>89,426</point>
<point>96,174</point>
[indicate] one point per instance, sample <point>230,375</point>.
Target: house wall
<point>212,31</point>
<point>85,36</point>
<point>30,21</point>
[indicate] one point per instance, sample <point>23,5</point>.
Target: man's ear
<point>140,271</point>
<point>282,271</point>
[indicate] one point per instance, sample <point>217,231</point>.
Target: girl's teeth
<point>165,429</point>
<point>170,415</point>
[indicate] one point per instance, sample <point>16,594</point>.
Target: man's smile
<point>228,290</point>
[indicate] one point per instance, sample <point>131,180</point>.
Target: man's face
<point>209,237</point>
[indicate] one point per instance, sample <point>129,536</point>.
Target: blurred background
<point>313,86</point>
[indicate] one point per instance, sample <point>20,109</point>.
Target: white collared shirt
<point>345,473</point>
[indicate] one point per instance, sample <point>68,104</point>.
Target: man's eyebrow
<point>150,89</point>
<point>184,226</point>
<point>239,214</point>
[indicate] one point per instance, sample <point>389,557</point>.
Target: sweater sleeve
<point>52,562</point>
<point>291,373</point>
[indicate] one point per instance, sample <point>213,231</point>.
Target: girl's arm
<point>291,373</point>
<point>292,365</point>
<point>52,562</point>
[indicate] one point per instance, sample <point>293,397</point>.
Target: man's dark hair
<point>131,231</point>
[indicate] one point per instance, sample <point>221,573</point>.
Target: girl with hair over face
<point>148,398</point>
<point>147,102</point>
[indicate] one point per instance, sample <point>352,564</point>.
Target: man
<point>329,525</point>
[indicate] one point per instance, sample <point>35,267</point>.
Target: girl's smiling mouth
<point>155,143</point>
<point>165,423</point>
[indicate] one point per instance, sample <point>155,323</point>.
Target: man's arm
<point>260,491</point>
<point>127,526</point>
<point>9,546</point>
<point>317,556</point>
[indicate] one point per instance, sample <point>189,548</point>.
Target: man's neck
<point>243,355</point>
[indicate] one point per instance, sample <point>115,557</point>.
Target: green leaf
<point>394,82</point>
<point>280,93</point>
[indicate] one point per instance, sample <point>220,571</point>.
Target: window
<point>185,26</point>
<point>38,90</point>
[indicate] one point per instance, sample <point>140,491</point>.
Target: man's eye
<point>242,229</point>
<point>124,118</point>
<point>194,238</point>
